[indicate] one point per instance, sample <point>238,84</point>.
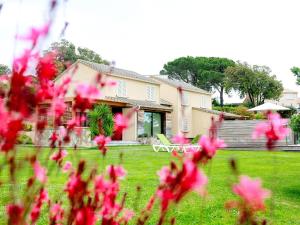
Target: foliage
<point>196,139</point>
<point>215,102</point>
<point>239,110</point>
<point>101,120</point>
<point>296,72</point>
<point>260,116</point>
<point>27,127</point>
<point>207,73</point>
<point>295,123</point>
<point>24,139</point>
<point>68,53</point>
<point>4,69</point>
<point>288,113</point>
<point>253,82</point>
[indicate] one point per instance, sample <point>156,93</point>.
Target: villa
<point>162,109</point>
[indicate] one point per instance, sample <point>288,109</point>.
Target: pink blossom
<point>46,68</point>
<point>58,156</point>
<point>180,139</point>
<point>100,184</point>
<point>58,107</point>
<point>15,214</point>
<point>210,145</point>
<point>127,215</point>
<point>35,34</point>
<point>85,216</point>
<point>87,91</point>
<point>251,192</point>
<point>165,175</point>
<point>40,172</point>
<point>120,123</point>
<point>194,178</point>
<point>67,167</point>
<point>274,129</point>
<point>116,171</point>
<point>76,187</point>
<point>102,141</point>
<point>56,213</point>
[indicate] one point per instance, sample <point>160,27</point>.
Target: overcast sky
<point>142,35</point>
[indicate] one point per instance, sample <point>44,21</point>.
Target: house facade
<point>289,98</point>
<point>162,107</point>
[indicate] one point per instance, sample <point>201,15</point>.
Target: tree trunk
<point>222,96</point>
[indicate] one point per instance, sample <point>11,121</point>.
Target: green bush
<point>24,139</point>
<point>196,139</point>
<point>239,110</point>
<point>295,123</point>
<point>243,111</point>
<point>259,116</point>
<point>101,120</point>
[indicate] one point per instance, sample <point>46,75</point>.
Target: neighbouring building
<point>162,109</point>
<point>289,98</point>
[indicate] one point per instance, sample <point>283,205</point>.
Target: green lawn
<point>280,172</point>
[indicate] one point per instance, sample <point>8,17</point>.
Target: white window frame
<point>184,98</point>
<point>151,93</point>
<point>121,88</point>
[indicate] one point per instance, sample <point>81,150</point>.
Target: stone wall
<point>169,125</point>
<point>140,122</point>
<point>83,141</point>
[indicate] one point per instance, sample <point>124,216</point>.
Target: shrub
<point>259,116</point>
<point>101,120</point>
<point>239,110</point>
<point>288,113</point>
<point>243,111</point>
<point>295,123</point>
<point>196,139</point>
<point>24,139</point>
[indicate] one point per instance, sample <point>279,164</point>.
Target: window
<point>203,102</point>
<point>152,124</point>
<point>185,125</point>
<point>83,118</point>
<point>121,88</point>
<point>151,93</point>
<point>290,96</point>
<point>184,98</point>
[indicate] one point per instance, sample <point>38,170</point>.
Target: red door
<point>116,136</point>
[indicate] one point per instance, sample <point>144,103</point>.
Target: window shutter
<point>185,125</point>
<point>121,89</point>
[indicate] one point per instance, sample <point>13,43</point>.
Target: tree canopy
<point>68,53</point>
<point>4,69</point>
<point>207,73</point>
<point>253,82</point>
<point>296,71</point>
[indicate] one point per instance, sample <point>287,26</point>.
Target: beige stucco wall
<point>201,122</point>
<point>130,134</point>
<point>171,94</point>
<point>85,75</point>
<point>193,101</point>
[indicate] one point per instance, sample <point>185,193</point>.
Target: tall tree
<point>67,53</point>
<point>296,71</point>
<point>253,82</point>
<point>204,72</point>
<point>4,69</point>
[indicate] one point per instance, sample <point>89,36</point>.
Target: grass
<point>280,172</point>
